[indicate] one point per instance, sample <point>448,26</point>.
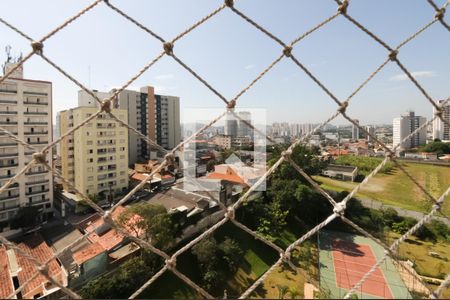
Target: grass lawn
<point>417,251</point>
<point>397,189</point>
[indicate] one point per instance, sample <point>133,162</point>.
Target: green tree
<point>25,218</point>
<point>151,222</point>
<point>206,251</point>
<point>125,280</point>
<point>439,147</point>
<point>231,253</point>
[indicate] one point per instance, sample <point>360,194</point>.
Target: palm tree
<point>293,291</point>
<point>282,290</point>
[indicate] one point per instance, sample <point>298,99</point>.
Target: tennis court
<point>345,258</point>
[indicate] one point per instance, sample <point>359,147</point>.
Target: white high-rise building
<point>405,125</point>
<point>440,129</point>
<point>25,111</point>
<point>355,131</point>
<point>371,130</point>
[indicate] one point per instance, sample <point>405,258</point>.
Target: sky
<point>103,50</point>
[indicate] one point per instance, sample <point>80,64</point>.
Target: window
<point>90,178</point>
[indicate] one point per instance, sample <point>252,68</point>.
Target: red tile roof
<point>227,177</point>
<point>36,247</point>
<point>6,284</point>
<point>111,238</point>
<point>88,252</point>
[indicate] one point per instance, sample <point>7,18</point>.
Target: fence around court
<point>39,156</point>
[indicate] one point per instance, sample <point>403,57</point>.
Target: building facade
<point>441,130</point>
<point>155,116</point>
<point>404,126</point>
<point>371,130</point>
<point>355,131</point>
<point>95,157</point>
<point>25,111</point>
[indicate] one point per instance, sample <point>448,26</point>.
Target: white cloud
<point>250,66</point>
<point>401,77</point>
<point>164,77</point>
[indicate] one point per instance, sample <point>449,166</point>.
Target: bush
<point>365,164</point>
<point>403,226</point>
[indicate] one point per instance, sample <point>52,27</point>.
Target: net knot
<point>230,214</point>
<point>168,48</point>
<point>287,51</point>
<point>171,263</point>
<point>286,154</point>
<point>439,112</point>
<point>106,106</point>
<point>342,9</point>
<point>343,107</point>
<point>169,157</point>
<point>393,55</point>
<point>285,256</point>
<point>231,104</point>
<point>37,47</point>
<point>440,14</point>
<point>339,209</point>
<point>229,3</point>
<point>39,157</point>
<point>43,268</point>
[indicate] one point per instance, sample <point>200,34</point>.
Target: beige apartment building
<point>95,157</point>
<point>154,116</point>
<point>25,111</point>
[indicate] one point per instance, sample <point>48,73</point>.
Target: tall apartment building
<point>245,130</point>
<point>25,111</point>
<point>355,131</point>
<point>405,125</point>
<point>155,116</point>
<point>440,129</point>
<point>370,129</point>
<point>95,157</point>
<point>231,125</point>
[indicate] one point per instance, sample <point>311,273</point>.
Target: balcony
<point>13,132</point>
<point>35,133</point>
<point>7,176</point>
<point>35,93</point>
<point>37,192</point>
<point>9,208</point>
<point>8,123</point>
<point>44,113</point>
<point>37,182</point>
<point>14,185</point>
<point>8,101</point>
<point>35,103</point>
<point>6,197</point>
<point>8,112</point>
<point>9,154</point>
<point>8,91</point>
<point>36,173</point>
<point>38,143</point>
<point>9,165</point>
<point>35,123</point>
<point>8,144</point>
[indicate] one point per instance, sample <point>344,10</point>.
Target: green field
<point>418,251</point>
<point>397,189</point>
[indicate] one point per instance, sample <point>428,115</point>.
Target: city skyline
<point>285,84</point>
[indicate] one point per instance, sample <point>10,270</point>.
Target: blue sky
<point>229,53</point>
